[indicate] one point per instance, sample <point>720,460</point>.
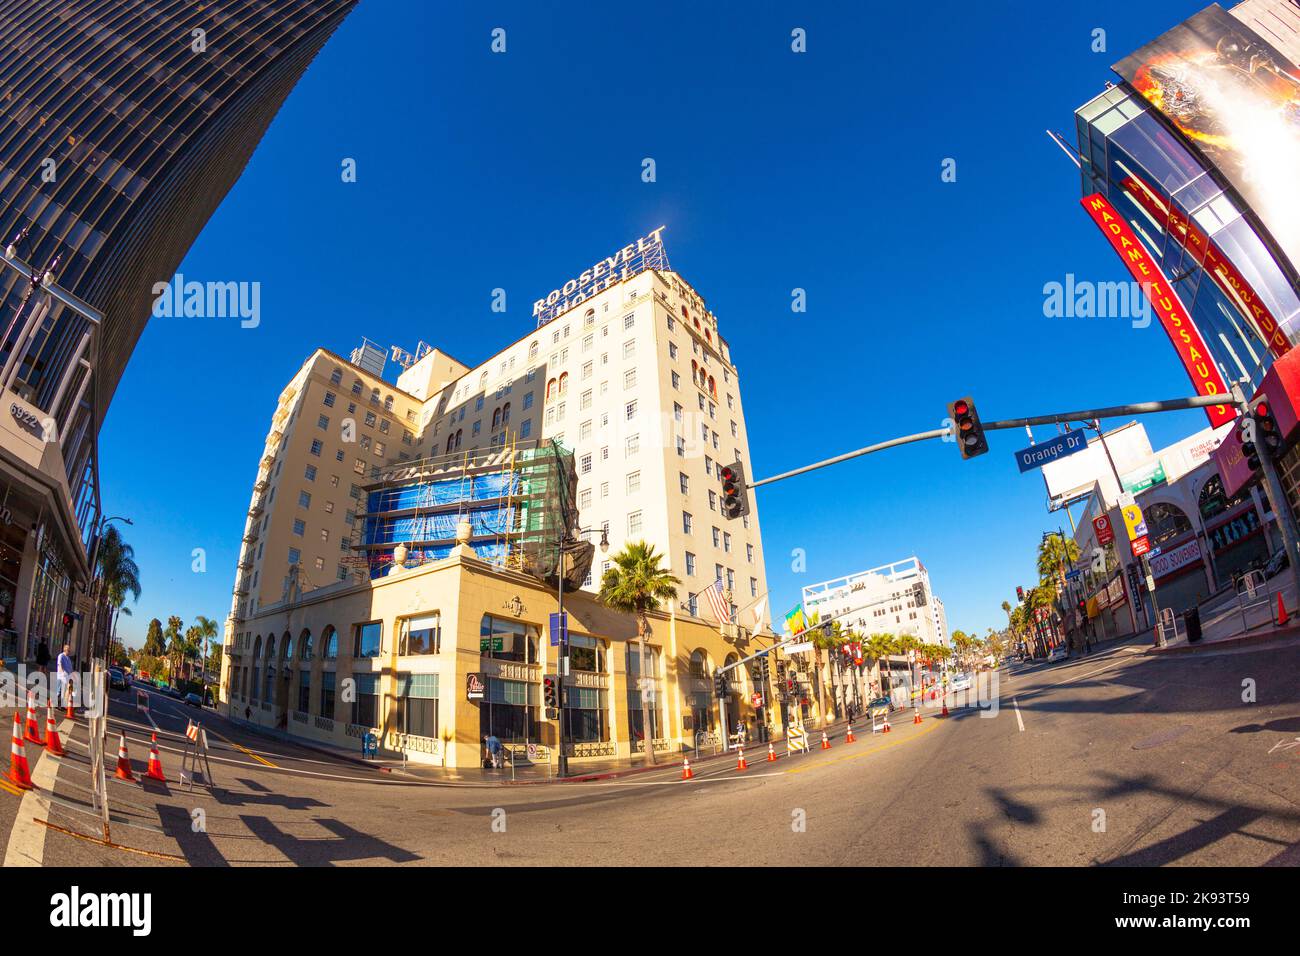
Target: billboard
<point>1237,99</point>
<point>1186,338</point>
<point>1069,479</point>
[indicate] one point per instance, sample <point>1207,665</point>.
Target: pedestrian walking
<point>63,673</point>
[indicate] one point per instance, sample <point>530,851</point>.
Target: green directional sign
<point>494,644</point>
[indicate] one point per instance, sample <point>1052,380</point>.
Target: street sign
<point>1141,545</point>
<point>1134,523</point>
<point>1071,575</point>
<point>495,644</point>
<point>558,625</point>
<point>1036,456</point>
<point>1105,533</point>
<point>475,687</point>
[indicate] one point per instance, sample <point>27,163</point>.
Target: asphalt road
<point>1118,758</point>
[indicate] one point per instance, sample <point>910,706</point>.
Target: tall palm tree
<point>119,576</point>
<point>175,645</point>
<point>880,647</point>
<point>906,643</point>
<point>636,584</point>
<point>207,632</point>
<point>1056,553</point>
<point>823,637</point>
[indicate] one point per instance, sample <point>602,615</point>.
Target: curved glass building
<point>123,124</point>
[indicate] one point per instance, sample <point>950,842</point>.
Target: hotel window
<point>717,537</point>
<point>528,401</point>
<point>604,491</point>
<point>672,350</point>
<point>304,690</point>
<point>323,422</point>
<point>324,534</point>
<point>584,499</point>
<point>731,583</point>
<point>589,318</point>
<point>421,635</point>
<point>359,467</point>
<point>550,415</point>
<point>338,455</point>
<point>356,387</point>
<point>417,705</point>
<point>587,342</point>
<point>584,464</point>
<point>366,639</point>
<point>295,556</point>
<point>749,553</point>
<point>629,320</point>
<point>370,419</point>
<point>365,442</point>
<point>713,501</point>
<point>672,324</point>
<point>342,573</point>
<point>555,337</point>
<point>677,380</point>
<point>379,448</point>
<point>355,492</point>
<point>584,430</point>
<point>684,480</point>
<point>677,412</point>
<point>327,695</point>
<point>310,473</point>
<point>700,399</point>
<point>687,522</point>
<point>633,445</point>
<point>478,404</point>
<point>304,499</point>
<point>704,433</point>
<point>633,482</point>
<point>629,348</point>
<point>299,528</point>
<point>586,370</point>
<point>476,429</point>
<point>735,431</point>
<point>726,541</point>
<point>693,605</point>
<point>681,446</point>
<point>630,410</point>
<point>383,427</point>
<point>708,465</point>
<point>336,376</point>
<point>753,587</point>
<point>634,523</point>
<point>713,411</point>
<point>526,428</point>
<point>320,564</point>
<point>717,572</point>
<point>584,402</point>
<point>690,564</point>
<point>316,447</point>
<point>365,708</point>
<point>329,399</point>
<point>530,375</point>
<point>629,378</point>
<point>532,350</point>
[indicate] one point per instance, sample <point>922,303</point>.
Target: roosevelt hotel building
<point>635,379</point>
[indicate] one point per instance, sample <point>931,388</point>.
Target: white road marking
<point>1019,720</point>
<point>27,837</point>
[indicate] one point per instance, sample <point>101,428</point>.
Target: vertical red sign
<point>1173,316</point>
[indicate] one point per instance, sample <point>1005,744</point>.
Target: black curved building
<point>123,124</point>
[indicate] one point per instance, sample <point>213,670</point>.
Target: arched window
<point>374,396</point>
<point>257,647</point>
<point>329,644</point>
<point>496,418</point>
<point>699,661</point>
<point>589,317</point>
<point>482,381</point>
<point>685,314</point>
<point>460,433</point>
<point>564,383</point>
<point>388,403</point>
<point>1165,522</point>
<point>1214,502</point>
<point>713,387</point>
<point>550,390</point>
<point>304,645</point>
<point>532,349</point>
<point>505,414</point>
<point>270,647</point>
<point>286,646</point>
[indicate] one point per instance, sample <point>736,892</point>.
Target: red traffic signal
<point>735,492</point>
<point>966,428</point>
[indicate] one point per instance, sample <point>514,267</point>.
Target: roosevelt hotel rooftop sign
<point>646,253</point>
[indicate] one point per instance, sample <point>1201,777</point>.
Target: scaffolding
<point>519,500</point>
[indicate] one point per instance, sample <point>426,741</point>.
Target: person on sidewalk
<point>43,656</point>
<point>494,750</point>
<point>63,673</point>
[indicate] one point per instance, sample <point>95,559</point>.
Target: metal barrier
<point>1166,627</point>
<point>1253,600</point>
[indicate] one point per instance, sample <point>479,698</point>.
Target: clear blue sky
<point>775,171</point>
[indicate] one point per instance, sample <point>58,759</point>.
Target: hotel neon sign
<point>646,253</point>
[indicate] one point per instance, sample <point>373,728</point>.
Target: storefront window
<point>643,717</point>
<point>366,639</point>
<point>365,709</point>
<point>509,710</point>
<point>327,695</point>
<point>304,691</point>
<point>586,654</point>
<point>417,704</point>
<point>586,715</point>
<point>421,635</point>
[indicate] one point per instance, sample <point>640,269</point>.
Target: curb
<point>1238,641</point>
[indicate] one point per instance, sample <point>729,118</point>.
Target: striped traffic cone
<point>849,738</point>
<point>155,771</point>
<point>123,771</point>
<point>53,745</point>
<point>72,710</point>
<point>771,753</point>
<point>885,728</point>
<point>33,726</point>
<point>740,763</point>
<point>687,773</point>
<point>826,743</point>
<point>20,775</point>
<point>916,716</point>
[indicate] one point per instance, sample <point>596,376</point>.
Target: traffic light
<point>550,691</point>
<point>1266,429</point>
<point>719,684</point>
<point>735,493</point>
<point>67,621</point>
<point>1020,594</point>
<point>967,428</point>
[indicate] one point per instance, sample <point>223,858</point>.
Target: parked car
<point>961,682</point>
<point>116,679</point>
<point>1057,653</point>
<point>1276,565</point>
<point>880,702</point>
<point>193,700</point>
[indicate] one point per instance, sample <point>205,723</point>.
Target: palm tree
<point>1056,552</point>
<point>207,632</point>
<point>635,584</point>
<point>119,576</point>
<point>880,647</point>
<point>175,645</point>
<point>906,643</point>
<point>823,637</point>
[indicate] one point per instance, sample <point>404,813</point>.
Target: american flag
<point>720,610</point>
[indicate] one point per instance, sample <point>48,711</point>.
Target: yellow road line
<point>245,750</point>
<point>10,787</point>
<point>870,750</point>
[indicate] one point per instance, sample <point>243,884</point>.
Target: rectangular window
<point>327,695</point>
<point>323,422</point>
<point>421,635</point>
<point>687,522</point>
<point>299,526</point>
<point>365,639</point>
<point>684,480</point>
<point>634,524</point>
<point>528,401</point>
<point>295,556</point>
<point>526,428</point>
<point>633,445</point>
<point>634,482</point>
<point>310,473</point>
<point>629,348</point>
<point>690,566</point>
<point>304,499</point>
<point>629,378</point>
<point>417,705</point>
<point>329,399</point>
<point>677,380</point>
<point>365,709</point>
<point>316,447</point>
<point>630,411</point>
<point>584,499</point>
<point>584,464</point>
<point>304,691</point>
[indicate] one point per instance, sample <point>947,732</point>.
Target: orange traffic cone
<point>740,762</point>
<point>771,753</point>
<point>33,728</point>
<point>687,773</point>
<point>20,774</point>
<point>155,771</point>
<point>1281,610</point>
<point>123,771</point>
<point>53,745</point>
<point>916,718</point>
<point>849,738</point>
<point>826,744</point>
<point>72,711</point>
<point>945,708</point>
<point>885,728</point>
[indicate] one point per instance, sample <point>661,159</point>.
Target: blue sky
<point>775,170</point>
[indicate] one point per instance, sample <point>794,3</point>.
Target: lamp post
<point>562,664</point>
<point>97,578</point>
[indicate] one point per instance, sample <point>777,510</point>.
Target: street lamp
<point>562,664</point>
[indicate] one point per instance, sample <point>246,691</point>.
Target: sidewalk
<point>541,773</point>
<point>1263,635</point>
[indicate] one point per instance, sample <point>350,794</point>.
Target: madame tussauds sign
<point>646,253</point>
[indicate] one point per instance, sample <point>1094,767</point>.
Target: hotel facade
<point>628,373</point>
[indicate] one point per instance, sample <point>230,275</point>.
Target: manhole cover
<point>1162,737</point>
